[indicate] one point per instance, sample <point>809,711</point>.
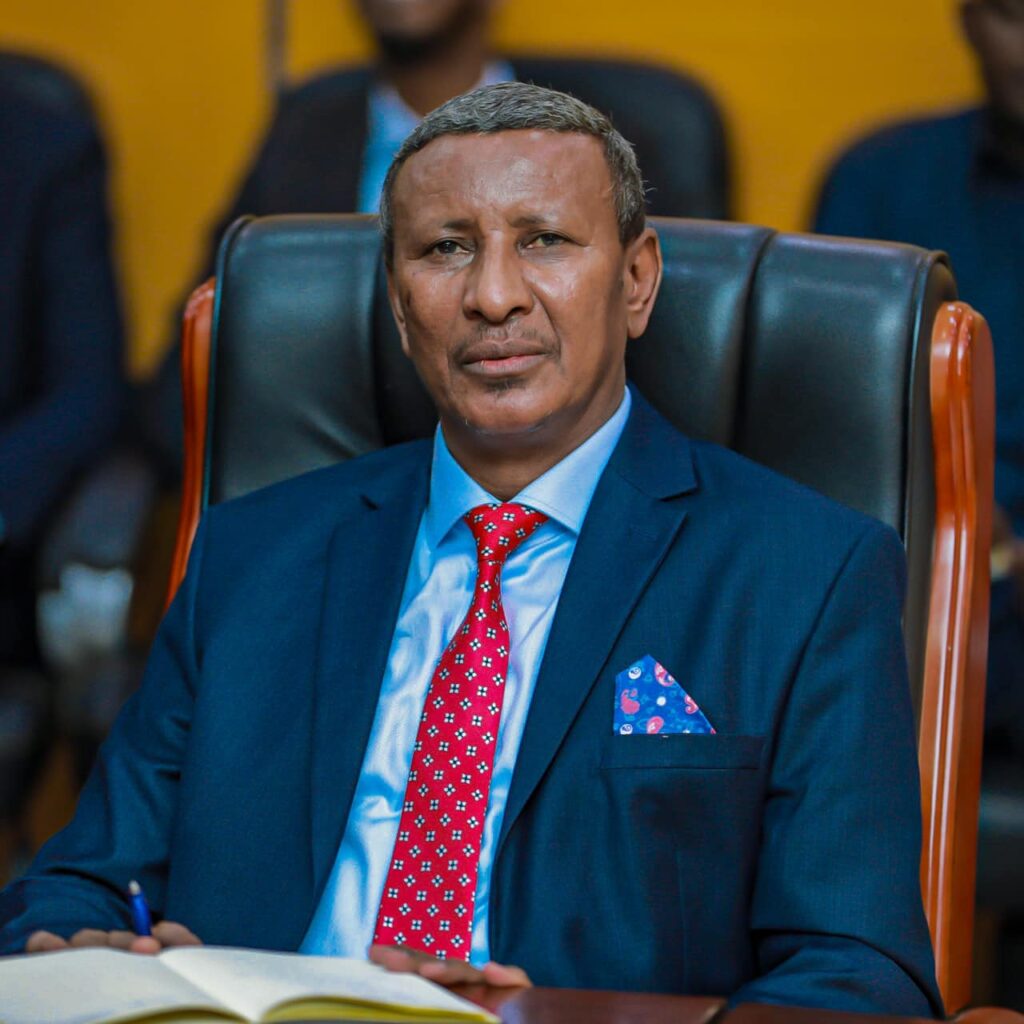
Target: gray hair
<point>518,106</point>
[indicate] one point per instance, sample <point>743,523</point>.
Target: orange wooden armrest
<point>952,706</point>
<point>195,378</point>
<point>989,1015</point>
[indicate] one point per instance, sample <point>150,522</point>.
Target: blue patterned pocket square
<point>649,700</point>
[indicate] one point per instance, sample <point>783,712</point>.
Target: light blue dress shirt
<point>390,120</point>
<point>438,590</point>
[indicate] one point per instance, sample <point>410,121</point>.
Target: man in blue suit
<point>669,746</point>
<point>61,380</point>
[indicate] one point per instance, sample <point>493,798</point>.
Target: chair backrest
<point>44,84</point>
<point>672,121</point>
<point>847,365</point>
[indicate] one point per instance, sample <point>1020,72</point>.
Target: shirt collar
<point>563,492</point>
<point>392,119</point>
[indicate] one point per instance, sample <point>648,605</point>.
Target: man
<point>61,383</point>
<point>308,765</point>
<point>957,183</point>
<point>332,139</point>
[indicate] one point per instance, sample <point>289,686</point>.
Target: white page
<point>253,982</point>
<point>79,986</point>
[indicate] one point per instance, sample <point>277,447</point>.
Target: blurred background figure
<point>61,392</point>
<point>957,183</point>
<point>333,138</point>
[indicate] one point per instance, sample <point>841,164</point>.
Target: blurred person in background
<point>956,182</point>
<point>61,382</point>
<point>332,139</point>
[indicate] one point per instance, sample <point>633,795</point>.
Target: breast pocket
<point>684,751</point>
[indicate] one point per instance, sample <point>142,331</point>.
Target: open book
<point>208,983</point>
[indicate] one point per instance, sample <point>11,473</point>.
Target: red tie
<point>431,884</point>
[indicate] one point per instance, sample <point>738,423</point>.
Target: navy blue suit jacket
<point>61,385</point>
<point>776,860</point>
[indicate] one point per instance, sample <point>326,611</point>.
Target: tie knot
<point>499,529</point>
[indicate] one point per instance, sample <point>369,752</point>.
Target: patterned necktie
<point>431,884</point>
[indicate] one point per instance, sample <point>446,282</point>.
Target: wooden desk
<point>752,1013</point>
<point>759,1014</point>
<point>575,1006</point>
<point>569,1006</point>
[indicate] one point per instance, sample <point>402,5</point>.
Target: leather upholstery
<point>807,354</point>
<point>43,84</point>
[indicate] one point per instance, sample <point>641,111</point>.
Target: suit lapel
<point>367,563</point>
<point>630,525</point>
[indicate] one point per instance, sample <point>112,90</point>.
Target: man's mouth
<point>505,359</point>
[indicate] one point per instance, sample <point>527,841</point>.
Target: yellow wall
<point>181,91</point>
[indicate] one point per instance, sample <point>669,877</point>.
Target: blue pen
<point>141,919</point>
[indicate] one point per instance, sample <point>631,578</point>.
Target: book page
<point>253,983</point>
<point>83,986</point>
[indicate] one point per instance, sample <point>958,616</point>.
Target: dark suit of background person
<point>788,843</point>
<point>311,160</point>
<point>957,183</point>
<point>60,350</point>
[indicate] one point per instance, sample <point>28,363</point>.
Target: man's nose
<point>497,289</point>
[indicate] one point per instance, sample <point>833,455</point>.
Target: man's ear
<point>641,278</point>
<point>396,308</point>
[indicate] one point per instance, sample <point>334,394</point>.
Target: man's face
<point>995,30</point>
<point>513,293</point>
<point>410,24</point>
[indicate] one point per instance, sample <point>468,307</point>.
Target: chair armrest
<point>989,1015</point>
<point>195,378</point>
<point>953,698</point>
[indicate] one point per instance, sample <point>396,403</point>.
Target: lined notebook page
<point>84,985</point>
<point>253,982</point>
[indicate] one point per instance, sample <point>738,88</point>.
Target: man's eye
<point>446,247</point>
<point>546,240</point>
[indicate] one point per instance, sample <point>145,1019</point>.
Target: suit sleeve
<point>78,334</point>
<point>122,826</point>
<point>837,916</point>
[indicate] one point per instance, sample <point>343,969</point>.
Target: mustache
<point>491,342</point>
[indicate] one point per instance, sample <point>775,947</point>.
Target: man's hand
<point>448,972</point>
<point>165,934</point>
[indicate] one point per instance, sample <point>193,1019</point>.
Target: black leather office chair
<point>847,365</point>
<point>43,83</point>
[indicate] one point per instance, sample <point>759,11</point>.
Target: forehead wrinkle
<point>533,220</point>
<point>502,181</point>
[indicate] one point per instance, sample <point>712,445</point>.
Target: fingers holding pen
<point>171,933</point>
<point>146,938</point>
<point>45,942</point>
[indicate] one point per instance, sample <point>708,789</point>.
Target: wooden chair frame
<point>953,698</point>
<point>952,707</point>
